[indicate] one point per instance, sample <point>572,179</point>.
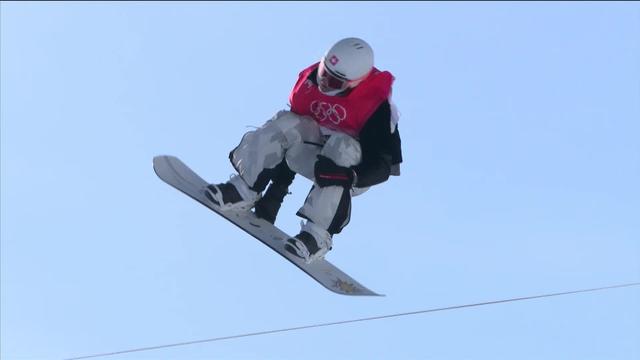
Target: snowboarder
<point>341,132</point>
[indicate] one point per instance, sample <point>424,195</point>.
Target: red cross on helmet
<point>345,65</point>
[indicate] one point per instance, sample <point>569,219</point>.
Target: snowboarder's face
<point>329,81</point>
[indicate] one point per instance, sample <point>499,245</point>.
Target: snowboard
<point>175,173</point>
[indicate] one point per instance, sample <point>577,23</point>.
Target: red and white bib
<point>346,114</point>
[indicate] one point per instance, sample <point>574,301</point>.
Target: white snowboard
<point>175,173</point>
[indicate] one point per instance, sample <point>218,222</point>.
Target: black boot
<point>309,242</point>
<point>268,206</point>
<point>229,193</point>
<point>307,247</point>
<point>227,197</point>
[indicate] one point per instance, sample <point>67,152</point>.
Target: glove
<point>328,173</point>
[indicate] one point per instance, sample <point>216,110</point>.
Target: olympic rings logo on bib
<point>324,111</point>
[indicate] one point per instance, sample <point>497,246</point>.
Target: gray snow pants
<point>298,140</point>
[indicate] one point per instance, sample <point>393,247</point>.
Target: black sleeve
<point>381,149</point>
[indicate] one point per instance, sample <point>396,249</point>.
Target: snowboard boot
<point>232,195</point>
<point>281,178</point>
<point>268,206</point>
<point>311,244</point>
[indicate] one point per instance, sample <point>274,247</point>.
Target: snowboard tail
<point>175,173</point>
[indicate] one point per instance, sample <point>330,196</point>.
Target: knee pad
<point>343,150</point>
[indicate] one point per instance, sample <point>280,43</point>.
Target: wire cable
<point>455,307</point>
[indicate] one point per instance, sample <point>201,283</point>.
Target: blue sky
<point>520,127</point>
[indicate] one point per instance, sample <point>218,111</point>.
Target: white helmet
<point>345,65</point>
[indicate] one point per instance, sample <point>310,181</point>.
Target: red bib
<point>348,113</point>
